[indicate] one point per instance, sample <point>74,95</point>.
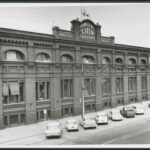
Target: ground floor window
<point>107,104</point>
<point>90,107</point>
<point>144,97</point>
<point>67,111</point>
<point>120,101</point>
<point>22,118</point>
<point>133,100</point>
<point>14,119</point>
<point>5,121</point>
<point>43,114</point>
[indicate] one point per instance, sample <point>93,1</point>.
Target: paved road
<point>129,131</point>
<point>136,132</point>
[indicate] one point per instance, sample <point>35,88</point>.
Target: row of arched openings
<point>14,55</point>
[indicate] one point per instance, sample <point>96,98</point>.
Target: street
<point>128,131</point>
<point>138,132</point>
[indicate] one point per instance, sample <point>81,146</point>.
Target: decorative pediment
<point>87,30</point>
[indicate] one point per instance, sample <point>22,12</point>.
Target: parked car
<point>128,111</point>
<point>72,124</point>
<point>88,122</point>
<point>114,115</point>
<point>53,129</point>
<point>101,118</point>
<point>139,109</point>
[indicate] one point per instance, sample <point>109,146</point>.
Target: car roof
<point>128,108</point>
<point>71,120</point>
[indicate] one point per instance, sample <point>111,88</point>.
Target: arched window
<point>105,60</point>
<point>119,61</point>
<point>88,60</point>
<point>42,57</point>
<point>131,61</point>
<point>143,62</point>
<point>66,58</point>
<point>14,55</point>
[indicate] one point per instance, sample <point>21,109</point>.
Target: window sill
<point>88,63</point>
<point>43,101</point>
<point>106,94</point>
<point>132,92</point>
<point>14,104</point>
<point>66,98</point>
<point>67,62</point>
<point>39,100</point>
<point>13,60</point>
<point>119,93</point>
<point>43,61</point>
<point>89,95</point>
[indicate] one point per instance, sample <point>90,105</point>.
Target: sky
<point>128,23</point>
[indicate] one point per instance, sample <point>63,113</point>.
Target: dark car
<point>128,111</point>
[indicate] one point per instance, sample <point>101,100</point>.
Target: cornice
<point>41,37</point>
<point>10,33</point>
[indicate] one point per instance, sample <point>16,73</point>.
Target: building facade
<point>41,74</point>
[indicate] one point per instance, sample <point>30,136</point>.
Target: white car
<point>72,124</point>
<point>139,109</point>
<point>114,115</point>
<point>101,118</point>
<point>53,129</point>
<point>88,122</point>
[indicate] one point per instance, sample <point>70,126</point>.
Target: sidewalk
<point>25,131</point>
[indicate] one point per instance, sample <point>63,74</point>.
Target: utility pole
<point>83,109</point>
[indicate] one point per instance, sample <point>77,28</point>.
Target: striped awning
<point>14,88</point>
<point>5,89</point>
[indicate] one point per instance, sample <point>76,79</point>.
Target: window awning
<point>11,55</point>
<point>5,89</point>
<point>14,88</point>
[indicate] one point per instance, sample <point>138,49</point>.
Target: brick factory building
<point>41,74</point>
